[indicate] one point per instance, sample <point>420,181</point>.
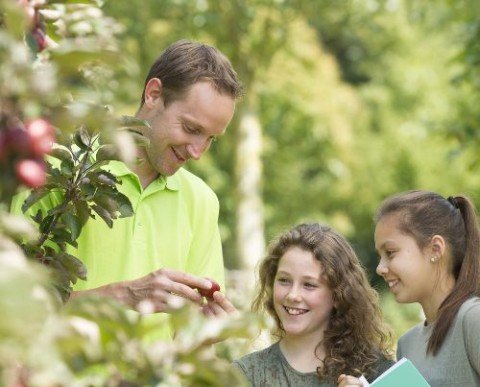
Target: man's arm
<point>157,288</point>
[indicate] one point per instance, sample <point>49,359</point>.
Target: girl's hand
<point>348,381</point>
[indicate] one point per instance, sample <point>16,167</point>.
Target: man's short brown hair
<point>184,63</point>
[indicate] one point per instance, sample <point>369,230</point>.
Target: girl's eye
<point>389,253</point>
<point>282,280</point>
<point>310,285</point>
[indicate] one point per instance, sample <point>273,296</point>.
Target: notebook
<point>403,373</point>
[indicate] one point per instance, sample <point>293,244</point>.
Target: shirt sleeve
<point>471,331</point>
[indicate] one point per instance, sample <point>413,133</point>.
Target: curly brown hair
<point>356,338</point>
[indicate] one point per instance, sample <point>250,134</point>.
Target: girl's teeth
<point>295,311</point>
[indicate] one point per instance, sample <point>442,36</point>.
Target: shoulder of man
<point>194,185</point>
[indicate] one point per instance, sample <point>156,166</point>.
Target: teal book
<point>402,374</point>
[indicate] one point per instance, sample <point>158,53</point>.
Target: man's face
<point>185,128</point>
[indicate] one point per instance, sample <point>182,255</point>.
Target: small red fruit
<point>209,292</point>
<point>41,135</point>
<point>40,38</point>
<point>18,140</point>
<point>31,172</point>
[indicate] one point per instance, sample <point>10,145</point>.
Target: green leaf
<point>34,197</point>
<point>88,189</point>
<point>46,223</point>
<point>124,205</point>
<point>83,212</point>
<point>38,217</point>
<point>104,214</point>
<point>103,177</point>
<point>107,152</point>
<point>73,224</point>
<point>61,235</point>
<point>66,167</point>
<point>82,139</point>
<point>62,153</point>
<point>74,266</point>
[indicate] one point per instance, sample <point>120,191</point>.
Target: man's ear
<point>153,93</point>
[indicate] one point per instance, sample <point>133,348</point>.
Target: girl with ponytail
<point>429,251</point>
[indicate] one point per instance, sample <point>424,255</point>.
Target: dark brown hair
<point>423,214</point>
<point>356,337</point>
<point>184,63</point>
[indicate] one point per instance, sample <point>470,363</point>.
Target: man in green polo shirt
<point>172,241</point>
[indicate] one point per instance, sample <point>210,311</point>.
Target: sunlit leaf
<point>34,197</point>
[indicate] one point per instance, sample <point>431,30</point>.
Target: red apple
<point>208,293</point>
<point>18,140</point>
<point>31,172</point>
<point>41,135</point>
<point>39,36</point>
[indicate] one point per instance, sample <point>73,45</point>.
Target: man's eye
<point>188,129</point>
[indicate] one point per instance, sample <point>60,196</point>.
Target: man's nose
<point>197,148</point>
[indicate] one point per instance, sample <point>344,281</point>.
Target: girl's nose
<point>382,268</point>
<point>294,294</point>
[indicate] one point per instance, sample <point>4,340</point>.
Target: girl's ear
<point>153,93</point>
<point>437,246</point>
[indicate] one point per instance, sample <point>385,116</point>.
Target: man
<point>172,242</point>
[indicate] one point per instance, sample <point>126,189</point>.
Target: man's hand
<point>218,306</point>
<point>156,290</point>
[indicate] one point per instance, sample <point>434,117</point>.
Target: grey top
<point>457,363</point>
<point>269,368</point>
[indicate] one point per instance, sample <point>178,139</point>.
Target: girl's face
<point>302,299</point>
<point>407,269</point>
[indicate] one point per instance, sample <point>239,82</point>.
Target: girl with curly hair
<point>328,319</point>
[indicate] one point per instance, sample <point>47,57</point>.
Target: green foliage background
<point>357,100</point>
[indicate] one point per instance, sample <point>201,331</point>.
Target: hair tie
<point>453,201</point>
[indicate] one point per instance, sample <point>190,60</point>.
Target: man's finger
<point>224,302</point>
<point>186,279</point>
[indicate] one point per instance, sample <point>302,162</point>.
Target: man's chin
<point>169,171</point>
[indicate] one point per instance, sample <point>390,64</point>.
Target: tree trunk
<point>250,222</point>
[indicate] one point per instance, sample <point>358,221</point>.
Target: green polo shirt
<point>175,225</point>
